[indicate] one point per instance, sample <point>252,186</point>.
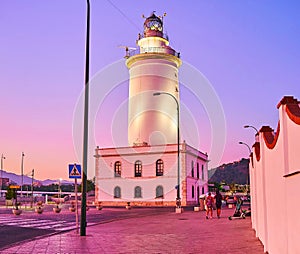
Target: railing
<point>160,50</point>
<point>154,33</point>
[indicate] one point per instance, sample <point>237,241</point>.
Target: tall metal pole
<point>242,143</point>
<point>178,199</point>
<point>22,173</point>
<point>59,188</point>
<point>32,177</point>
<point>2,158</point>
<point>85,128</point>
<point>76,205</point>
<point>178,203</point>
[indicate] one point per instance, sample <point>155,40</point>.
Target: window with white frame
<point>117,169</point>
<point>159,192</point>
<point>137,192</point>
<point>138,169</point>
<point>159,167</point>
<point>192,171</point>
<point>117,192</point>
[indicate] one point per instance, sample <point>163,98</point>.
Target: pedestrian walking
<point>209,205</point>
<point>218,199</point>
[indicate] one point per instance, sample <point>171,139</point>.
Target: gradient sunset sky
<point>248,50</point>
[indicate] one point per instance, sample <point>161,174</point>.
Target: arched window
<point>198,174</point>
<point>117,192</point>
<point>138,169</point>
<point>118,169</point>
<point>137,192</point>
<point>159,192</point>
<point>192,171</point>
<point>193,192</point>
<point>202,172</point>
<point>159,167</point>
<point>202,190</point>
<point>198,193</point>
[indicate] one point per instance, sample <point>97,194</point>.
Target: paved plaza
<point>188,232</point>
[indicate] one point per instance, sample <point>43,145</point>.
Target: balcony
<point>160,50</point>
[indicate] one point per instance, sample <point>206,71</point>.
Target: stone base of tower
<point>136,204</point>
<point>145,203</point>
<point>147,176</point>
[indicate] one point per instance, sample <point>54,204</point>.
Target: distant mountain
<point>17,179</point>
<point>65,182</point>
<point>236,172</point>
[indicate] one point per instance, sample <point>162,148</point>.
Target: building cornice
<point>146,56</point>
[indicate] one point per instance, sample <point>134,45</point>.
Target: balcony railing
<point>161,50</point>
<point>154,33</point>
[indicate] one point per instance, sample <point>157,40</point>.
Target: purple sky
<point>248,50</point>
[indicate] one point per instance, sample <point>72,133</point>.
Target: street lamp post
<point>250,126</point>
<point>85,126</point>
<point>59,189</point>
<point>2,158</point>
<point>242,143</point>
<point>32,177</point>
<point>31,173</point>
<point>178,199</point>
<point>22,173</point>
<point>256,131</point>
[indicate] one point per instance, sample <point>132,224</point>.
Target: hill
<point>235,172</point>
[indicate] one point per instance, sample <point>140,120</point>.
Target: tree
<point>10,194</point>
<point>90,186</point>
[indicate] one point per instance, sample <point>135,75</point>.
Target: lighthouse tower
<point>152,68</point>
<point>154,169</point>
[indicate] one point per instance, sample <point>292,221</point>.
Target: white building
<point>275,181</point>
<point>147,171</point>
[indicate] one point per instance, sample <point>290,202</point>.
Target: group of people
<point>210,201</point>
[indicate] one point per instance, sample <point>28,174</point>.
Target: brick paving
<point>188,232</point>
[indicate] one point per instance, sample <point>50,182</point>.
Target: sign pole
<point>75,173</point>
<point>76,205</point>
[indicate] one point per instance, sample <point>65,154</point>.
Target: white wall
<point>106,182</point>
<point>275,181</point>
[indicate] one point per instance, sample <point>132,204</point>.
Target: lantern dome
<point>153,26</point>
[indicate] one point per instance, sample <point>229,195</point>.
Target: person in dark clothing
<point>218,199</point>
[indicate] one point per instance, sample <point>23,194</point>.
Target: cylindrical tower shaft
<point>154,68</point>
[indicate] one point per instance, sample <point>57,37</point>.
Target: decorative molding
<point>257,150</point>
<point>145,56</point>
<point>293,112</point>
<point>292,108</point>
<point>269,137</point>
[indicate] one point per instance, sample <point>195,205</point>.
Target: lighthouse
<point>153,67</point>
<point>146,172</point>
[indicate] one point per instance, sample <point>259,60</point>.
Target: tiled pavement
<point>12,220</point>
<point>188,232</point>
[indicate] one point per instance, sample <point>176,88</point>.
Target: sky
<point>249,51</point>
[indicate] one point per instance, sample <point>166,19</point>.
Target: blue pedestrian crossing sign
<point>74,171</point>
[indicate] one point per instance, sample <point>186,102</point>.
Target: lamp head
<point>246,126</point>
<point>240,142</point>
<point>156,94</point>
